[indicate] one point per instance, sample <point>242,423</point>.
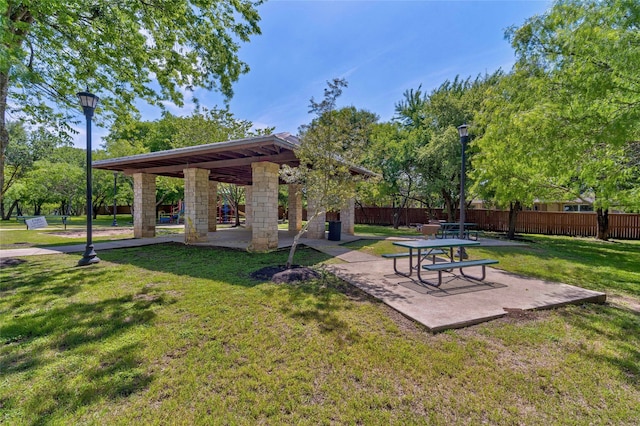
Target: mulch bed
<point>281,275</point>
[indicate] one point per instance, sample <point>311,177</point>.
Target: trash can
<point>335,227</point>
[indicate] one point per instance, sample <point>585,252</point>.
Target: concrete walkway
<point>457,303</point>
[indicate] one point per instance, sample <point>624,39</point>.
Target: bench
<point>454,234</point>
<point>396,256</point>
<point>64,219</point>
<point>449,266</point>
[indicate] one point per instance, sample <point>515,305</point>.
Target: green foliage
<point>126,50</point>
<point>204,126</point>
<point>26,148</point>
<point>587,121</point>
<point>512,161</point>
<point>334,142</point>
<point>420,155</point>
<point>60,183</point>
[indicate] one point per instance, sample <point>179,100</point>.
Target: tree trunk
<point>449,205</point>
<point>19,15</point>
<point>363,212</point>
<point>4,133</point>
<point>292,251</point>
<point>514,209</point>
<point>603,224</point>
<point>236,208</point>
<point>10,212</point>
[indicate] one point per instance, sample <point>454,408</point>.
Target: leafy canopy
<point>587,121</point>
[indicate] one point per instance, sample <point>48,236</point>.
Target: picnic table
<point>421,249</point>
<point>452,230</point>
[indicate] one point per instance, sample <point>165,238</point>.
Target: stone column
<point>295,207</point>
<point>316,228</point>
<point>144,205</point>
<point>264,201</point>
<point>348,217</point>
<point>248,206</point>
<point>213,205</point>
<point>196,205</point>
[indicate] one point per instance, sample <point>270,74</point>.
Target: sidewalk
<point>98,246</point>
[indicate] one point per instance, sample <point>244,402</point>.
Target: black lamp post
<point>88,102</point>
<point>463,131</point>
<point>115,206</point>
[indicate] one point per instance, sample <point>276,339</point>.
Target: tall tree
<point>431,120</point>
<point>509,169</point>
<point>393,154</point>
<point>26,148</point>
<point>122,50</point>
<point>589,51</point>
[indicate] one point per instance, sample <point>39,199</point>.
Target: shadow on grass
<point>69,354</point>
<point>619,328</point>
<point>316,301</point>
<point>596,265</point>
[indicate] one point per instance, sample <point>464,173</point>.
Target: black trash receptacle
<point>335,227</point>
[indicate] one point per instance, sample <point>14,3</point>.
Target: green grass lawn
<point>174,334</point>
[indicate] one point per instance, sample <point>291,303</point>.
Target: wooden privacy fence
<point>621,225</point>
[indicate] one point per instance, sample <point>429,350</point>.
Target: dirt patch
<point>9,261</point>
<point>281,275</point>
<point>95,233</point>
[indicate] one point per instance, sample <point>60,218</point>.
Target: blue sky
<point>382,48</point>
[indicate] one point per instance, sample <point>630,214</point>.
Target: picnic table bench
<point>427,248</point>
<point>450,266</point>
<point>452,230</point>
<point>396,256</point>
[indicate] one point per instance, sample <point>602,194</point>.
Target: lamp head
<point>463,131</point>
<point>88,101</point>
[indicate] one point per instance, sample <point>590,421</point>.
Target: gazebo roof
<point>228,162</point>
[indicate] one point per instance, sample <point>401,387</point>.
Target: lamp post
<point>115,206</point>
<point>463,131</point>
<point>88,101</point>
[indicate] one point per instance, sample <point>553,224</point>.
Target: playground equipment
<point>175,216</point>
<point>226,213</point>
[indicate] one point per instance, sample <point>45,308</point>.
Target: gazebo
<point>251,162</point>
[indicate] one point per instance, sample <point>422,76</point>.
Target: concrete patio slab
<point>459,302</point>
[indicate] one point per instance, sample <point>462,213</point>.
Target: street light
<point>463,131</point>
<point>88,101</point>
<point>115,206</point>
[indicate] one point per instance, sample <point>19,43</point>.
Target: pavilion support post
<point>248,206</point>
<point>144,205</point>
<point>348,217</point>
<point>295,207</point>
<point>213,206</point>
<point>196,205</point>
<point>264,201</point>
<point>316,228</point>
